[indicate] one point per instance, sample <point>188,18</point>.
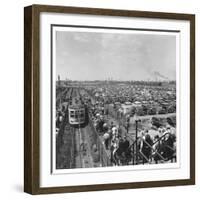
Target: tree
<point>156,122</point>
<point>171,121</point>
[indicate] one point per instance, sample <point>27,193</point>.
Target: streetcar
<point>77,113</point>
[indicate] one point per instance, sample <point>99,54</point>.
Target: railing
<point>150,146</point>
<point>136,151</point>
<point>144,157</point>
<point>172,149</point>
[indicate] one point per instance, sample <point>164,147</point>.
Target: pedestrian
<point>157,147</point>
<point>126,144</point>
<point>106,138</point>
<point>146,147</point>
<point>168,146</point>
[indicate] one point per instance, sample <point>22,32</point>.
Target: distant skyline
<point>102,56</point>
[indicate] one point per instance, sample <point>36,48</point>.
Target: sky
<point>120,56</point>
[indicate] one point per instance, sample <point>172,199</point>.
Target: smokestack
<point>158,74</point>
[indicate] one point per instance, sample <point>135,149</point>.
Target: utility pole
<point>127,124</point>
<point>136,138</point>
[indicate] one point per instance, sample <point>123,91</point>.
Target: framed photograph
<point>109,99</point>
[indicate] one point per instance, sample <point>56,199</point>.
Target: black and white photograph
<point>115,97</point>
<point>109,99</point>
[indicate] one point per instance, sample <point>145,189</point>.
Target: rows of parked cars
<point>146,99</point>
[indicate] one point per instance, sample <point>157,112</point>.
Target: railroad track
<point>83,155</point>
<point>73,143</point>
<point>83,158</point>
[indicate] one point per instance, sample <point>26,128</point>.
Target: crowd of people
<point>60,115</point>
<point>161,147</point>
<point>122,149</point>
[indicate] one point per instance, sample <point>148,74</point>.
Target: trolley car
<point>77,113</point>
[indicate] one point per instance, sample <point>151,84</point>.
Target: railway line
<point>75,146</point>
<point>84,156</point>
<point>83,152</point>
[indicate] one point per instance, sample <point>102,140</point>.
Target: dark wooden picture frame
<point>32,94</point>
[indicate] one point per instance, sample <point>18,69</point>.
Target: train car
<point>77,114</point>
